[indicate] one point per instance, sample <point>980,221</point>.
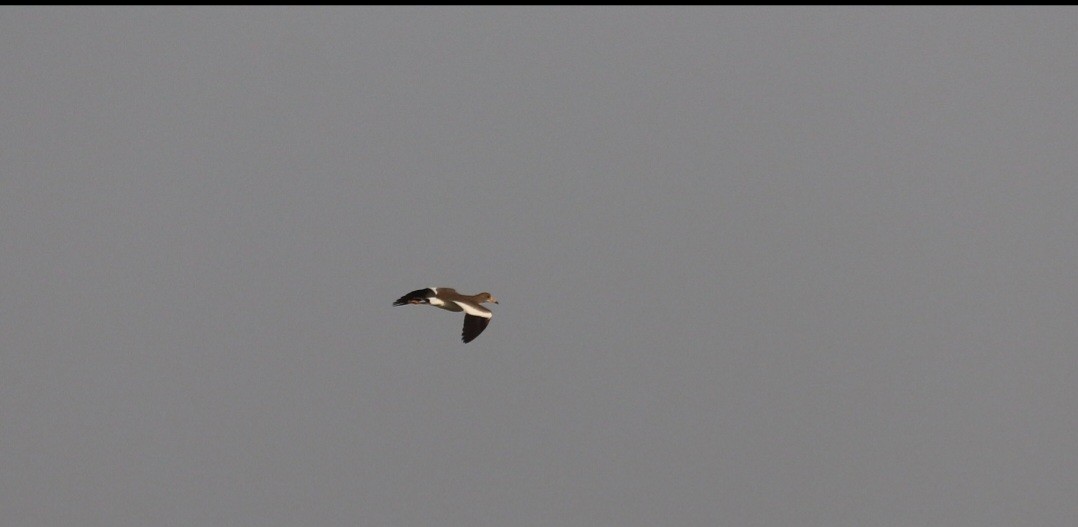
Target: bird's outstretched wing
<point>419,296</point>
<point>473,326</point>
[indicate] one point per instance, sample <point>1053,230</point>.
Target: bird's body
<point>476,317</point>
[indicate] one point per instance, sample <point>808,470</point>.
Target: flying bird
<point>476,317</point>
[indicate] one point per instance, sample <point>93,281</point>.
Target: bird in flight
<point>476,317</point>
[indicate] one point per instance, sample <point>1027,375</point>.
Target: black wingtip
<point>419,296</point>
<point>473,326</point>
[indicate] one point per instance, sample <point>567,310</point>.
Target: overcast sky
<point>757,266</point>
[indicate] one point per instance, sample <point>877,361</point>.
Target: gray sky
<point>757,267</point>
